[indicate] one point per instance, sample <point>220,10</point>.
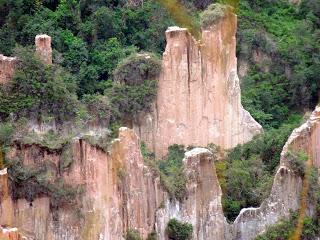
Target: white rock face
<point>198,99</point>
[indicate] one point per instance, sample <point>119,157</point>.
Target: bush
<point>98,106</point>
<point>246,175</point>
<point>152,236</point>
<point>213,13</point>
<point>30,183</point>
<point>127,101</point>
<point>37,89</point>
<point>177,230</point>
<point>172,174</point>
<point>137,68</point>
<point>297,161</point>
<point>133,235</point>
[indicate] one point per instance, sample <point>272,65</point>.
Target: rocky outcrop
<point>202,206</point>
<point>7,66</point>
<point>286,190</point>
<point>120,192</point>
<point>6,204</point>
<point>43,48</point>
<point>198,99</point>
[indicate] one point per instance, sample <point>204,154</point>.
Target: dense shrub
<point>247,174</point>
<point>38,90</point>
<point>30,183</point>
<point>177,230</point>
<point>172,174</point>
<point>297,162</point>
<point>132,235</point>
<point>213,13</point>
<point>170,168</point>
<point>137,68</point>
<point>130,100</point>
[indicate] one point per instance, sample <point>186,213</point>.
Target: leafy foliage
<point>246,175</point>
<point>132,235</point>
<point>170,169</point>
<point>212,14</point>
<point>177,230</point>
<point>281,44</point>
<point>38,90</point>
<point>30,183</point>
<point>137,68</point>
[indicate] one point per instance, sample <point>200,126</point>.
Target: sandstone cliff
<point>286,190</point>
<point>120,193</point>
<point>198,99</point>
<point>202,206</point>
<point>43,48</point>
<point>7,65</point>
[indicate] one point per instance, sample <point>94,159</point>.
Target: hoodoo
<point>198,100</point>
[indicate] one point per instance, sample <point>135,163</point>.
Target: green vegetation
<point>29,183</point>
<point>177,230</point>
<point>281,45</point>
<point>152,236</point>
<point>297,162</point>
<point>170,169</point>
<point>132,235</point>
<point>38,90</point>
<point>285,228</point>
<point>212,14</point>
<point>137,68</point>
<point>311,225</point>
<point>247,173</point>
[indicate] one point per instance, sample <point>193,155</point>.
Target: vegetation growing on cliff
<point>247,173</point>
<point>212,14</point>
<point>30,183</point>
<point>285,229</point>
<point>170,169</point>
<point>178,230</point>
<point>280,43</point>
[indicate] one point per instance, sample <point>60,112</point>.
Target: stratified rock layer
<point>198,99</point>
<point>43,48</point>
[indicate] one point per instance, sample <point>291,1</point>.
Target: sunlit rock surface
<point>286,190</point>
<point>198,99</point>
<point>202,206</point>
<point>43,48</point>
<point>7,66</point>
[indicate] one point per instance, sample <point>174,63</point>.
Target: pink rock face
<point>120,193</point>
<point>10,234</point>
<point>202,207</point>
<point>286,190</point>
<point>198,99</point>
<point>7,66</point>
<point>43,48</point>
<point>6,203</point>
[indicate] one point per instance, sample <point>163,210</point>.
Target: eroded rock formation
<point>7,65</point>
<point>198,99</point>
<point>43,48</point>
<point>202,206</point>
<point>286,190</point>
<point>120,192</point>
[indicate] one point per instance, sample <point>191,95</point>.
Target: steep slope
<point>198,99</point>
